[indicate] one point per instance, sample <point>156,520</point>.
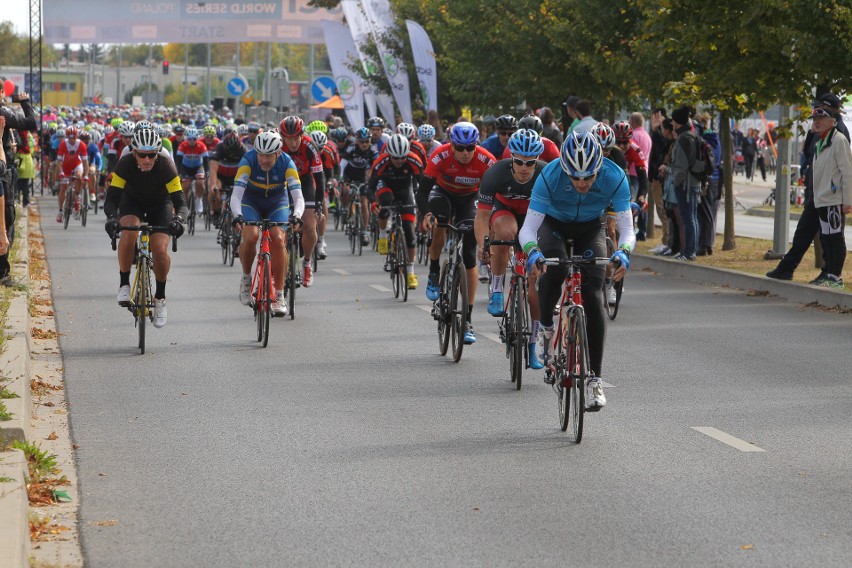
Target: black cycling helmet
<point>375,121</point>
<point>506,122</point>
<point>531,122</point>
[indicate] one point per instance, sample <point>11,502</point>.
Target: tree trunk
<point>727,173</point>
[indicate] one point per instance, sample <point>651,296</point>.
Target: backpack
<point>704,165</point>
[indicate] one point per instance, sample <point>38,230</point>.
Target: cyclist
<point>331,172</point>
<point>145,187</point>
<point>266,186</point>
<point>410,133</point>
<point>252,129</point>
<point>94,156</point>
<point>178,137</point>
<point>506,125</point>
<point>567,202</point>
<point>306,156</point>
<point>192,160</point>
<point>356,161</point>
<point>532,122</point>
<point>392,179</point>
<point>449,186</point>
<point>426,134</point>
<point>210,139</point>
<point>124,135</point>
<point>378,137</point>
<point>636,158</point>
<point>73,155</point>
<point>223,169</point>
<point>165,131</point>
<point>504,196</point>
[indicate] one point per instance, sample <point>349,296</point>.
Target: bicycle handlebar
<point>572,260</point>
<point>267,223</point>
<point>144,228</point>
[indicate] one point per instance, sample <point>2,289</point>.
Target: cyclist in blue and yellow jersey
<point>567,202</point>
<point>266,187</point>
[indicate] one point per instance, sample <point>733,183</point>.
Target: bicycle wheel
<point>612,310</point>
<point>458,308</point>
<point>208,217</point>
<point>266,313</point>
<point>190,221</point>
<point>69,206</point>
<point>235,247</point>
<point>442,309</point>
<point>392,264</point>
<point>95,206</point>
<point>84,206</point>
<point>579,370</point>
<point>518,343</point>
<point>257,298</point>
<point>225,242</point>
<point>141,303</point>
<point>402,263</point>
<point>292,276</point>
<point>358,229</point>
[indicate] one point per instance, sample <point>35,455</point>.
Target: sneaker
<point>832,281</point>
<point>383,245</point>
<point>365,239</point>
<point>668,252</point>
<point>279,306</point>
<point>412,281</point>
<point>469,335</point>
<point>535,362</point>
<point>245,290</point>
<point>483,273</point>
<point>542,346</point>
<point>818,280</point>
<point>611,296</point>
<point>595,399</point>
<point>308,278</point>
<point>683,257</point>
<point>495,304</point>
<point>160,313</point>
<point>658,249</point>
<point>322,254</point>
<point>124,295</point>
<point>59,217</point>
<point>778,274</point>
<point>433,290</point>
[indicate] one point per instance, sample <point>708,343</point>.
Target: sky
<point>17,12</point>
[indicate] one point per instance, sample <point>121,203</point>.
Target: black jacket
<point>15,121</point>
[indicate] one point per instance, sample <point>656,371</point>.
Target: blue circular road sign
<point>323,88</point>
<point>237,86</point>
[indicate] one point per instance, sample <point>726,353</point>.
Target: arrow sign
<point>237,86</point>
<point>323,89</point>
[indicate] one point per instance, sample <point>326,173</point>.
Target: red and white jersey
<point>458,178</point>
<point>551,151</point>
<point>306,157</point>
<point>72,155</point>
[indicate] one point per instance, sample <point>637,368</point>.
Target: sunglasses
<point>586,178</point>
<point>468,148</point>
<point>820,112</point>
<point>146,155</point>
<point>527,163</point>
<point>505,132</point>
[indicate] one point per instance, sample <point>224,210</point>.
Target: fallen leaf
<point>476,508</point>
<point>48,404</point>
<point>747,547</point>
<point>52,436</point>
<point>75,447</point>
<point>110,523</point>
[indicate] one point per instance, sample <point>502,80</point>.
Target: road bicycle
<point>422,241</point>
<point>396,262</point>
<point>141,303</point>
<point>294,275</point>
<point>262,290</point>
<point>335,209</point>
<point>609,284</point>
<point>228,238</point>
<point>74,205</point>
<point>354,225</point>
<point>206,213</point>
<point>568,367</point>
<point>515,330</point>
<point>450,309</point>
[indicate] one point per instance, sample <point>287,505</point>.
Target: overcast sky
<point>17,12</point>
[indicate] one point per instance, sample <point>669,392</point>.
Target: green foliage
<point>15,49</point>
<point>5,415</point>
<point>39,463</point>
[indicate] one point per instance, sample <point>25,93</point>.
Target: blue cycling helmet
<point>581,155</point>
<point>362,133</point>
<point>526,143</point>
<point>464,133</point>
<point>426,132</point>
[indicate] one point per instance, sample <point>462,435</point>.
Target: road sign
<point>237,86</point>
<point>323,89</point>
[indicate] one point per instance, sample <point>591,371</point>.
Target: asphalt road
<point>349,441</point>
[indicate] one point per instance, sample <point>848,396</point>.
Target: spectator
<point>433,119</point>
<point>584,113</point>
<point>549,128</point>
<point>659,149</point>
<point>687,187</point>
<point>569,114</point>
<point>748,147</point>
<point>643,140</point>
<point>4,239</point>
<point>708,207</point>
<point>669,199</point>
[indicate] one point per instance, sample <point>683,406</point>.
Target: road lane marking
<point>425,308</point>
<point>380,288</point>
<point>606,385</point>
<point>492,336</point>
<point>342,272</point>
<point>741,445</point>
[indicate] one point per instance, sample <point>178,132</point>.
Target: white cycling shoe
<point>595,399</point>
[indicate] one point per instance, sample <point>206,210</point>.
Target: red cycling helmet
<point>291,126</point>
<point>71,131</point>
<point>623,131</point>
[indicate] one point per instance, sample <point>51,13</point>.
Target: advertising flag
<point>424,63</point>
<point>341,51</point>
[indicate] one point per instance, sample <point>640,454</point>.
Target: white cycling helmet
<point>319,138</point>
<point>406,129</point>
<point>398,146</point>
<point>146,140</point>
<point>268,142</point>
<point>126,128</point>
<point>581,155</point>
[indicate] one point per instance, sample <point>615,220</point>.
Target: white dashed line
<point>342,272</point>
<point>425,308</point>
<point>492,336</point>
<point>741,445</point>
<point>380,288</point>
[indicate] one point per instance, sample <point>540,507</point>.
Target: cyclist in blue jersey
<point>506,125</point>
<point>264,176</point>
<point>567,202</point>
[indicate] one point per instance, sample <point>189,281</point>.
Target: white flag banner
<point>424,63</point>
<point>381,18</point>
<point>341,51</point>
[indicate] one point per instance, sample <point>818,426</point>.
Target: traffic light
<point>165,67</point>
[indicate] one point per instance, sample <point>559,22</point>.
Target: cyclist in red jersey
<point>73,155</point>
<point>305,155</point>
<point>410,133</point>
<point>192,161</point>
<point>210,139</point>
<point>449,187</point>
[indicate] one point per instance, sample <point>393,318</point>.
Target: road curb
<point>757,212</point>
<point>792,291</point>
<point>14,511</point>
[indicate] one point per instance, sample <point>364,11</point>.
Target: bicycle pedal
<point>549,376</point>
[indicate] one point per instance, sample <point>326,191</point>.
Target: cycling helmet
<point>406,129</point>
<point>60,133</point>
<point>164,130</point>
<point>242,129</point>
<point>464,133</point>
<point>319,138</point>
<point>231,142</point>
<point>191,134</point>
<point>531,122</point>
<point>146,140</point>
<point>95,136</point>
<point>268,142</point>
<point>126,128</point>
<point>398,146</point>
<point>525,142</point>
<point>85,136</point>
<point>253,127</point>
<point>317,126</point>
<point>362,134</point>
<point>623,131</point>
<point>116,122</point>
<point>581,155</point>
<point>71,131</point>
<point>109,129</point>
<point>506,122</point>
<point>375,121</point>
<point>338,134</point>
<point>142,125</point>
<point>426,132</point>
<point>209,131</point>
<point>605,135</point>
<point>291,126</point>
<point>179,128</point>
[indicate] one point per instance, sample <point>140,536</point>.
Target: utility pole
<point>207,94</point>
<point>781,232</point>
<point>150,63</point>
<point>185,73</point>
<point>118,77</point>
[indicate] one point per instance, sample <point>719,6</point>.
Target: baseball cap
<point>830,100</point>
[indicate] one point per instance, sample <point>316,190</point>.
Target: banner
<point>183,21</point>
<point>424,64</point>
<point>381,18</point>
<point>341,51</point>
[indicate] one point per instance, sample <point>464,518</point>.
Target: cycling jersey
<point>132,188</point>
<point>191,156</point>
<point>493,145</point>
<point>167,146</point>
<point>419,150</point>
<point>309,165</point>
<point>500,187</point>
<point>211,143</point>
<point>551,151</point>
<point>358,161</point>
<point>330,157</point>
<point>94,156</point>
<point>228,163</point>
<point>455,177</point>
<point>72,156</point>
<point>253,181</point>
<point>385,175</point>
